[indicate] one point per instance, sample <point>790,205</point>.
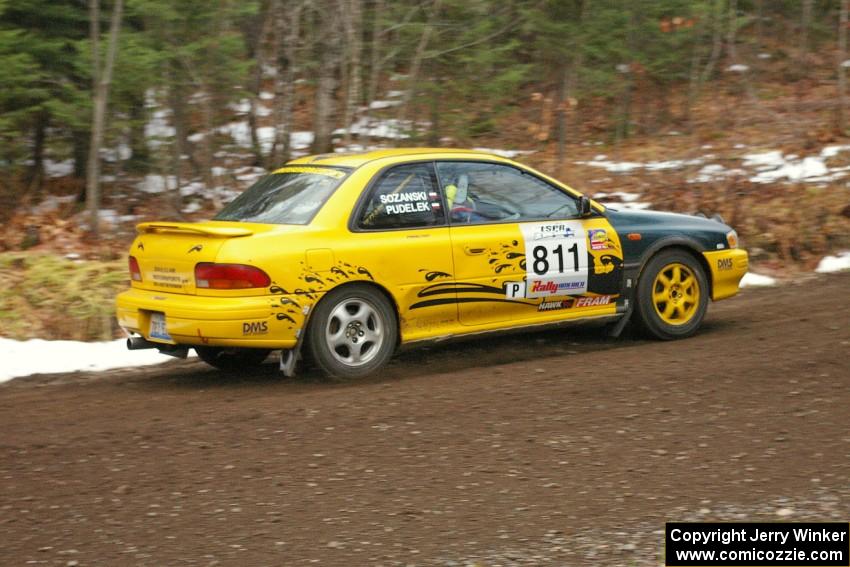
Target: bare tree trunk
<point>260,32</point>
<point>569,85</point>
<point>327,84</point>
<point>177,102</point>
<point>561,112</point>
<point>805,23</point>
<point>374,67</point>
<point>354,38</point>
<point>36,175</point>
<point>101,79</point>
<point>285,78</point>
<point>416,63</point>
<point>716,44</point>
<point>842,57</point>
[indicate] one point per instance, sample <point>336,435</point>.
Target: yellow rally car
<point>354,255</point>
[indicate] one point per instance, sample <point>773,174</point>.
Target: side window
<point>491,193</point>
<point>406,196</point>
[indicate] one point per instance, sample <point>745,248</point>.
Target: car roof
<point>393,154</point>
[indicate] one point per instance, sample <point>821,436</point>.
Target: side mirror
<point>584,208</point>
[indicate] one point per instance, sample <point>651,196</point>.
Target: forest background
<point>114,112</point>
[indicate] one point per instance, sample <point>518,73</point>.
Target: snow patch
<point>158,127</point>
<point>38,356</point>
<point>301,140</point>
<point>626,166</point>
<point>756,280</point>
<point>58,168</point>
<point>379,104</point>
<point>831,264</point>
<point>510,154</point>
<point>738,68</point>
<point>157,183</point>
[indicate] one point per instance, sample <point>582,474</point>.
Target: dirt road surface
<point>554,448</point>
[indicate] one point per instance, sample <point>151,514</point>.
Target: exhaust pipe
<point>141,343</point>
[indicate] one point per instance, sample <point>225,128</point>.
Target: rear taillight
<point>135,271</point>
<point>229,276</point>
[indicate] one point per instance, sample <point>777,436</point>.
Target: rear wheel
<point>232,359</point>
<point>672,295</point>
<point>352,332</point>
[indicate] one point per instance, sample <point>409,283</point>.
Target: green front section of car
<point>644,232</point>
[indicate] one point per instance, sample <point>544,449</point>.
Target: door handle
<point>472,251</point>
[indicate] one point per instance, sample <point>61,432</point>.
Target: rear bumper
<point>268,321</point>
<point>727,268</point>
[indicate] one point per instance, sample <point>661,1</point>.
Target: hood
<point>645,219</point>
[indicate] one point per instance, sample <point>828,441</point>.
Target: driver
<point>461,205</point>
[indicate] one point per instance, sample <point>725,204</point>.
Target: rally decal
<point>556,258</point>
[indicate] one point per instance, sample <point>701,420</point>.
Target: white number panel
<point>555,258</point>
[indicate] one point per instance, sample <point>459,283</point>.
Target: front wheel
<point>352,332</point>
<point>232,359</point>
<point>672,295</point>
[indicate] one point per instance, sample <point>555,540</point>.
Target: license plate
<point>158,329</point>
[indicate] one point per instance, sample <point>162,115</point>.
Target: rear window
<point>292,195</point>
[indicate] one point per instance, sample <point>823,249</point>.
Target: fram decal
<point>258,328</point>
<point>584,301</point>
<point>724,264</point>
<point>593,301</point>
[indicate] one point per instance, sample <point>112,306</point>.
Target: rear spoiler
<point>195,228</point>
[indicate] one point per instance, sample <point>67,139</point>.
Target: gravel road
<point>552,448</point>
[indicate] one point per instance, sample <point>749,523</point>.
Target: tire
<point>353,332</point>
<point>672,295</point>
<point>232,359</point>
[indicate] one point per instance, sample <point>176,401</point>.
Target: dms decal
<point>258,328</point>
<point>724,264</point>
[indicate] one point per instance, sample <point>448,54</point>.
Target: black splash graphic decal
<point>606,274</point>
<point>433,275</point>
<point>507,256</point>
<point>306,292</point>
<point>448,300</point>
<point>276,289</point>
<point>285,317</point>
<point>339,272</point>
<point>365,272</point>
<point>463,292</point>
<point>195,248</point>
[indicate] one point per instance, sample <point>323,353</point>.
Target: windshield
<point>291,195</point>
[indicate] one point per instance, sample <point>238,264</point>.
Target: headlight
<point>732,239</point>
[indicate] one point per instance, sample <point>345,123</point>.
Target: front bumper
<point>268,321</point>
<point>727,268</point>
